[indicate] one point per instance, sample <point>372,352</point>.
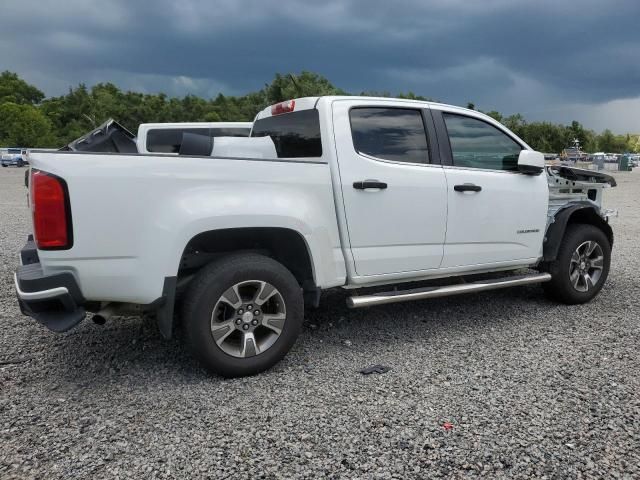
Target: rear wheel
<point>242,314</point>
<point>582,265</point>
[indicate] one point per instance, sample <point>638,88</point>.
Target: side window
<point>396,134</point>
<point>230,132</point>
<point>476,144</point>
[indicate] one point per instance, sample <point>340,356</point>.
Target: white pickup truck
<point>167,137</point>
<point>352,192</point>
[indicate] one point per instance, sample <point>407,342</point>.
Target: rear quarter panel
<point>133,215</point>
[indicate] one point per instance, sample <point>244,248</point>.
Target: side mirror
<point>530,162</point>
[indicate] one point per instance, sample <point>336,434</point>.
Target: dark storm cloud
<point>541,57</point>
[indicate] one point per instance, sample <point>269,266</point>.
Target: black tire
<point>209,286</point>
<point>561,287</point>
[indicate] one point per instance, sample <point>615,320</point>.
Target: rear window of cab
<point>295,134</point>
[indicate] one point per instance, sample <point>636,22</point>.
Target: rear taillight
<point>283,107</point>
<point>51,211</point>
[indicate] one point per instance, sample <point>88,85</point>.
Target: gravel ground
<point>531,388</point>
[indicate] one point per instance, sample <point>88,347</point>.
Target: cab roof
<point>307,103</point>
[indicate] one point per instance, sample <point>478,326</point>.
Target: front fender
<point>577,213</point>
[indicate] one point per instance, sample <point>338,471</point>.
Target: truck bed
<point>133,214</point>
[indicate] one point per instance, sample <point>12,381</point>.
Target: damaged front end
<point>575,195</point>
<point>569,185</point>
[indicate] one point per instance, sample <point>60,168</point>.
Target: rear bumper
<point>53,300</point>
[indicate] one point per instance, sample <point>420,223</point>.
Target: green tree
<point>307,84</point>
<point>634,143</point>
<point>495,115</point>
<point>606,141</point>
<point>544,137</point>
<point>61,119</point>
<point>517,124</point>
<point>69,114</point>
<point>584,136</point>
<point>24,126</point>
<point>15,90</point>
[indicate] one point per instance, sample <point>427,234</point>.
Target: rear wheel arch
<point>285,245</point>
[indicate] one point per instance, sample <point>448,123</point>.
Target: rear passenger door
<point>395,198</point>
<point>497,215</point>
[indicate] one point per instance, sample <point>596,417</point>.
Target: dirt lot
<point>530,388</point>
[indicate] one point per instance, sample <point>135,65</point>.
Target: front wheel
<point>582,265</point>
<point>242,314</point>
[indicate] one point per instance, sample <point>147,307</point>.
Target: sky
<point>554,60</point>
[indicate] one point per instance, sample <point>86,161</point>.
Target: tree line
<point>28,119</point>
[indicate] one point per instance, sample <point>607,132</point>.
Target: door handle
<point>467,187</point>
<point>363,184</point>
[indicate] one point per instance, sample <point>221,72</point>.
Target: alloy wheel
<point>248,318</point>
<point>585,266</point>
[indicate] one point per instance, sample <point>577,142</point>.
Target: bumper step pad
<point>54,300</point>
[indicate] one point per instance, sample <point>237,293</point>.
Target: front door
<point>395,199</point>
<point>496,214</point>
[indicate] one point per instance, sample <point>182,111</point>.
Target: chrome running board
<point>435,292</point>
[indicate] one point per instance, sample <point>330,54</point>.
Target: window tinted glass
<point>477,144</point>
<point>390,133</point>
<point>168,140</point>
<point>295,135</point>
<point>230,132</point>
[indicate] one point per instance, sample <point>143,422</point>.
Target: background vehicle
<point>167,137</point>
<point>15,157</point>
<point>108,137</point>
<point>352,192</point>
<point>573,155</point>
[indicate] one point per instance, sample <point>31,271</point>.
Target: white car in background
<point>167,137</point>
<point>13,157</point>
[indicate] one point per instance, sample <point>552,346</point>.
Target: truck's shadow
<point>131,349</point>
